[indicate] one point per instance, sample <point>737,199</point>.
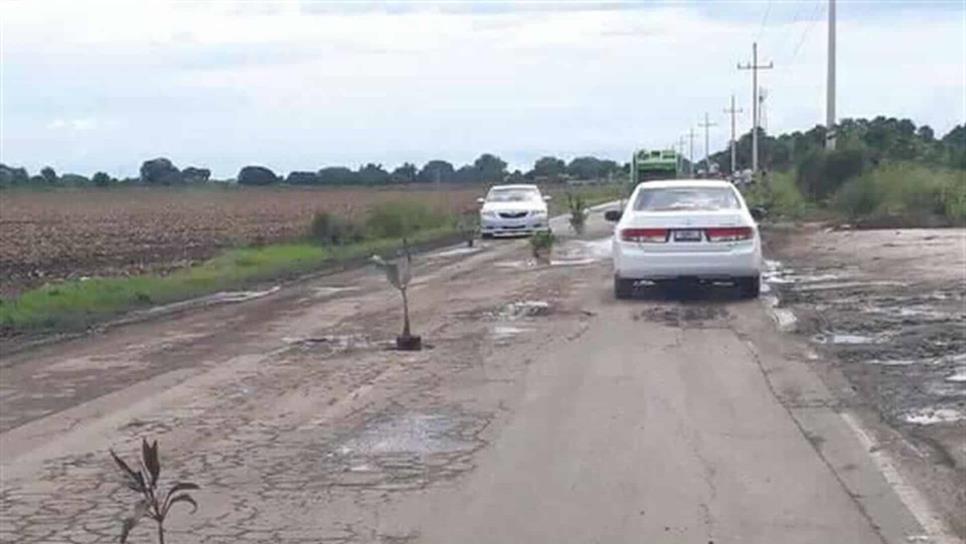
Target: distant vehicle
<point>698,230</point>
<point>513,210</point>
<point>654,165</point>
<point>742,178</point>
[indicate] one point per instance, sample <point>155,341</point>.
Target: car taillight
<point>728,234</point>
<point>650,236</point>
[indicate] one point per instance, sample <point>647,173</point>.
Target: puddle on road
<point>409,433</point>
<point>572,262</point>
<point>848,285</point>
<point>333,343</point>
<point>959,376</point>
<point>502,332</point>
<point>405,451</point>
<point>931,416</point>
<point>455,252</point>
<point>517,265</point>
<point>933,361</point>
<point>851,339</point>
<point>327,290</point>
<point>224,297</point>
<point>525,308</point>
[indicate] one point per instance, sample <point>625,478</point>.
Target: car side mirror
<point>480,200</point>
<point>547,198</point>
<point>613,215</point>
<point>758,213</point>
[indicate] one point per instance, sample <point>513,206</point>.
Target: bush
<point>905,193</point>
<point>160,171</point>
<point>821,173</point>
<point>329,229</point>
<point>400,219</point>
<point>779,195</point>
<point>101,179</point>
<point>256,175</point>
<point>196,175</point>
<point>302,178</point>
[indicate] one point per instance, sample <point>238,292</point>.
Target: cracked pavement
<point>545,411</point>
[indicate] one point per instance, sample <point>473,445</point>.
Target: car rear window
<point>686,198</point>
<point>513,195</point>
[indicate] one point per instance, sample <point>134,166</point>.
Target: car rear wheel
<point>750,287</point>
<point>623,288</point>
<point>486,235</point>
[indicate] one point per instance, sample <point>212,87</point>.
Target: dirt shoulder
<point>884,313</point>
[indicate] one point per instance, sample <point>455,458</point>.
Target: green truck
<point>654,165</point>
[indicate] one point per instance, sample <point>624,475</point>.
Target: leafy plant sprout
<point>398,273</point>
<point>578,212</point>
<point>542,243</point>
<point>153,503</point>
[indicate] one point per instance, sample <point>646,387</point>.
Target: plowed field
<point>89,232</point>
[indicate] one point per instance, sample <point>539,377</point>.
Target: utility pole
<point>754,67</point>
<point>732,110</point>
<point>830,104</point>
<point>680,147</point>
<point>691,151</point>
<point>707,151</point>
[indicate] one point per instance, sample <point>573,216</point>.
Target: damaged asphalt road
<point>545,411</point>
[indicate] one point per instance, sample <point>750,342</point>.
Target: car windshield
<point>513,195</point>
<point>686,198</point>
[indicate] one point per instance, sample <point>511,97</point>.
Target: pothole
<point>329,290</point>
<point>572,262</point>
<point>679,315</point>
<point>847,339</point>
<point>525,308</point>
<point>405,451</point>
<point>333,343</point>
<point>502,333</point>
<point>932,416</point>
<point>458,251</point>
<point>408,433</point>
<point>517,265</point>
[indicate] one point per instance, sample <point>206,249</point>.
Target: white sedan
<point>686,229</point>
<point>510,210</point>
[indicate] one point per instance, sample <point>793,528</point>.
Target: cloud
<point>80,124</point>
<point>300,84</point>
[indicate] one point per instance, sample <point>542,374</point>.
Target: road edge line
<point>936,530</point>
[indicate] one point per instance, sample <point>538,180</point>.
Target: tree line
<point>861,142</point>
<point>487,168</point>
<point>872,140</point>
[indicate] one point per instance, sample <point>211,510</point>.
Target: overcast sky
<point>294,85</point>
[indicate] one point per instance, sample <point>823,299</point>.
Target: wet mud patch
<point>685,315</point>
<point>334,343</point>
<point>406,450</point>
<point>898,337</point>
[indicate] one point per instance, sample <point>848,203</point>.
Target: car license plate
<point>689,235</point>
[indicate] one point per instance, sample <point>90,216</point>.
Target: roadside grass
<point>77,304</point>
<point>592,194</point>
<point>904,194</point>
<point>780,196</point>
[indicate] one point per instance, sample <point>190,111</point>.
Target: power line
<point>816,14</point>
<point>764,20</point>
<point>785,36</point>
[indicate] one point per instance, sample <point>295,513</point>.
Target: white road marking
<point>936,530</point>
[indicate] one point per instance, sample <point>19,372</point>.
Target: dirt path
<point>544,412</point>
